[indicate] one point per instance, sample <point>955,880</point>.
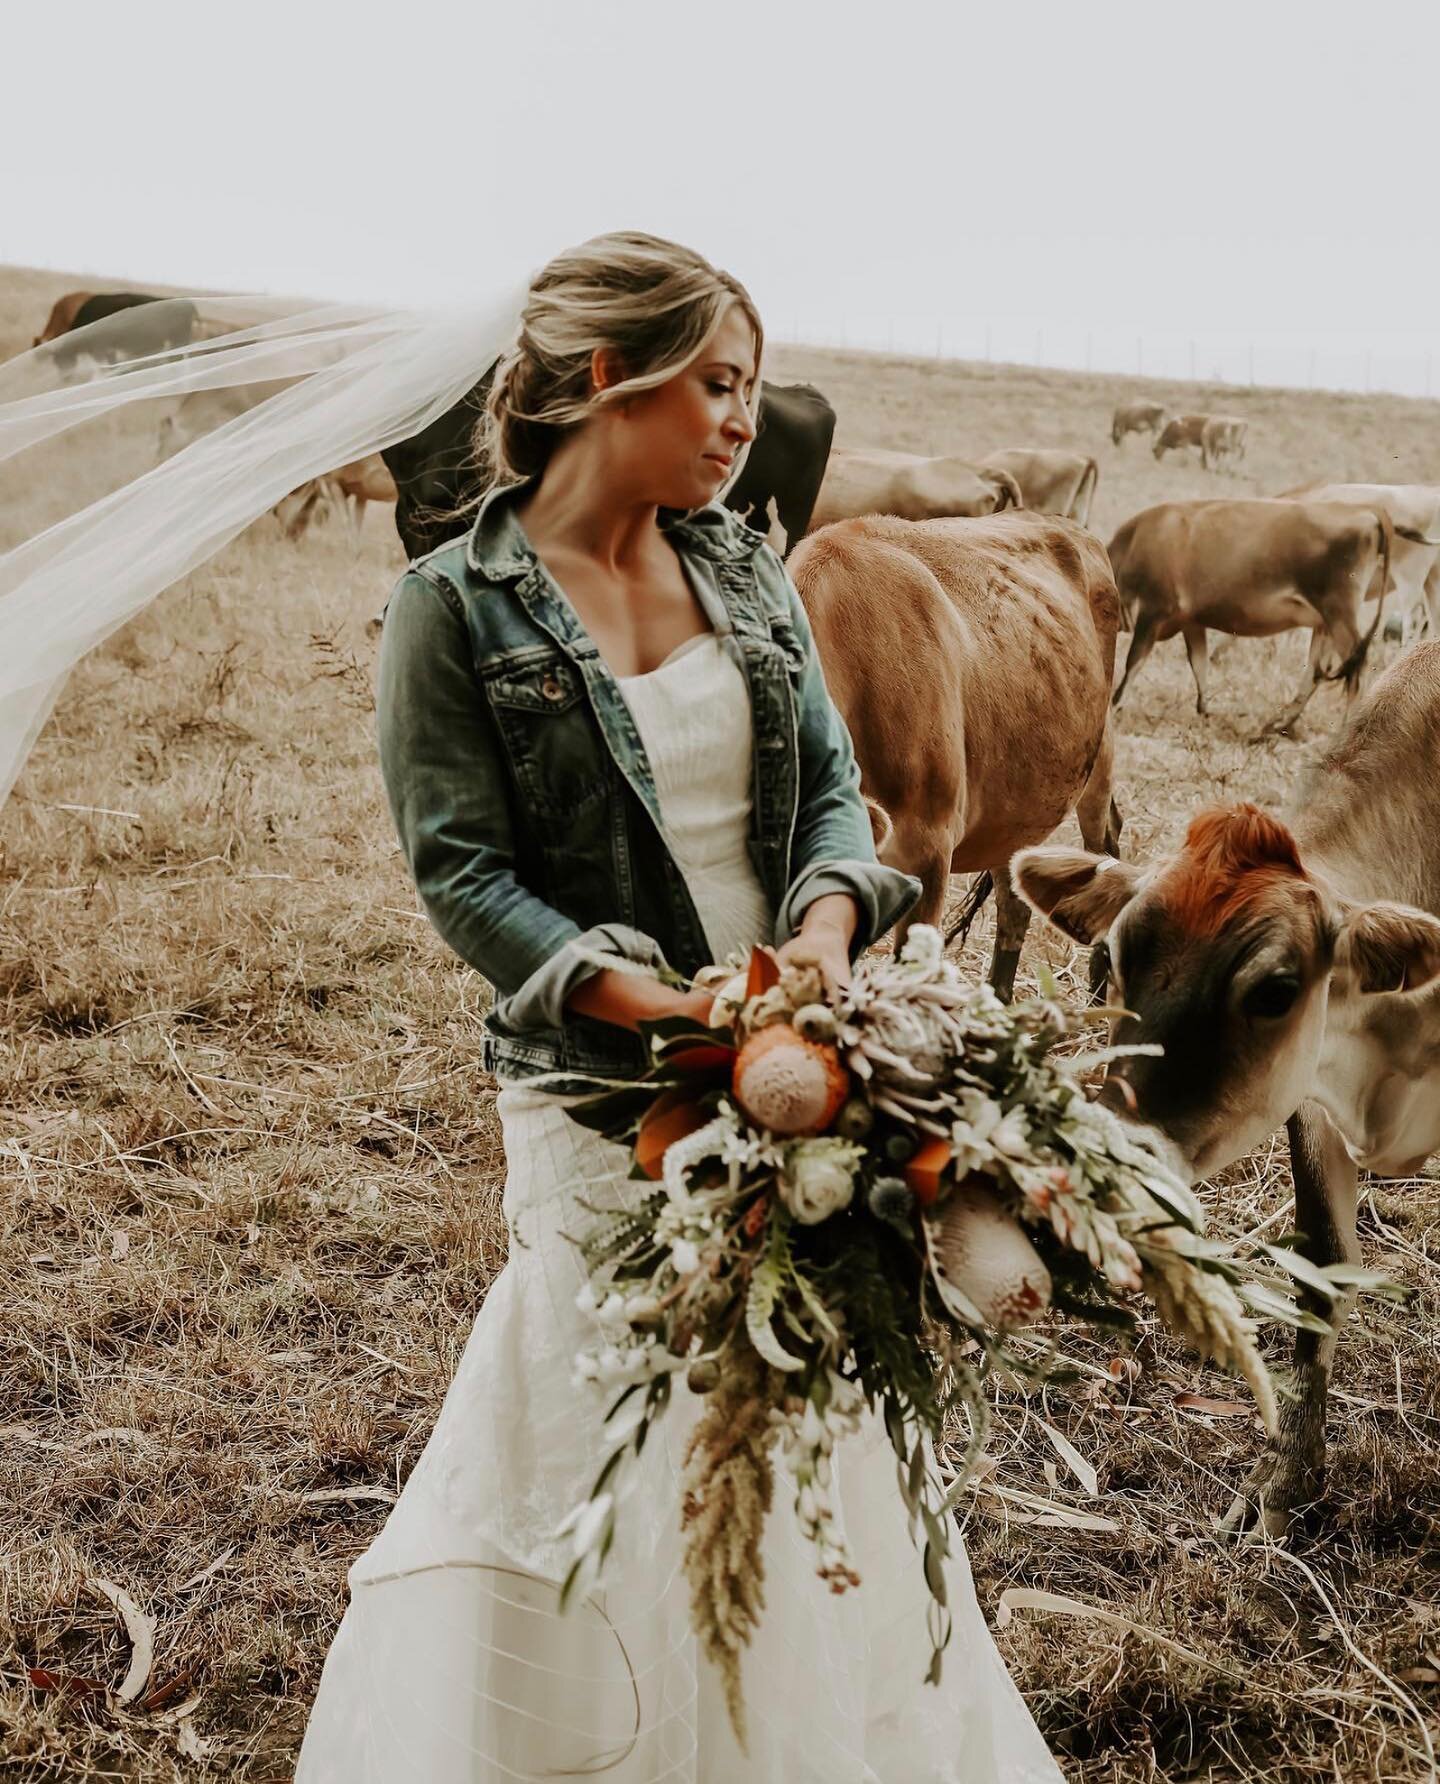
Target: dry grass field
<point>250,1177</point>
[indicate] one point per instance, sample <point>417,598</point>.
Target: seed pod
<point>982,1260</point>
<point>703,1377</point>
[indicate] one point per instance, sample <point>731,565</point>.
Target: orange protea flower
<point>788,1084</point>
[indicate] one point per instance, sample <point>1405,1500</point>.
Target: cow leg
<point>1142,642</point>
<point>924,850</point>
<point>1012,919</point>
<point>1309,681</point>
<point>1291,1473</point>
<point>1197,651</point>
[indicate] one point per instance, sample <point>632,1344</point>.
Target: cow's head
<point>1226,955</point>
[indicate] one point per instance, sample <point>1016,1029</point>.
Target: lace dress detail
<point>453,1664</point>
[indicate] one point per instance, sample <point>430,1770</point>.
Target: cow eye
<point>1272,996</point>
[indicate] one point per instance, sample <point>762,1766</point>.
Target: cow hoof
<point>1276,1489</point>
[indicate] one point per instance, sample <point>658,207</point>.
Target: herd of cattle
<point>1288,973</point>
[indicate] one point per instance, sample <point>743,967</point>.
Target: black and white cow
<point>106,329</point>
<point>439,481</point>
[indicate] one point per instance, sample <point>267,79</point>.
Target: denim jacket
<point>526,806</point>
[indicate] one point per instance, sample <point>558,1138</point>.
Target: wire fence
<point>1288,362</point>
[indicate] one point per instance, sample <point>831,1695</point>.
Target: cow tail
<point>1089,480</point>
<point>1350,673</point>
<point>978,891</point>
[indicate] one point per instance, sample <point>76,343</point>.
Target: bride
<point>608,746</point>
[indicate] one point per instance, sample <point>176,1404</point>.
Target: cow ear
<point>1081,894</point>
<point>1389,947</point>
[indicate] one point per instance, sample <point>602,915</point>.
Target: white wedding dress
<point>453,1664</point>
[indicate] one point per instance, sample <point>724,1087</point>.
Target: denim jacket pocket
<point>787,641</point>
<point>549,732</point>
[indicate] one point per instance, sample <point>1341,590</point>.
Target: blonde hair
<point>651,301</point>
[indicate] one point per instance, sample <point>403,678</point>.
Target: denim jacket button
<point>552,689</point>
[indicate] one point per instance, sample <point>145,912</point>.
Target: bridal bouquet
<point>859,1201</point>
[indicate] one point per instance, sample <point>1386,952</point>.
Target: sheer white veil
<point>260,396</point>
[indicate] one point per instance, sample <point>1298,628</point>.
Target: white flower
<point>1011,1137</point>
<point>685,1257</point>
<point>818,1179</point>
<point>586,1367</point>
<point>585,1300</point>
<point>924,946</point>
<point>612,1311</point>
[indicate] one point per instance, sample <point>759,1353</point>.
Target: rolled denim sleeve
<point>834,846</point>
<point>444,771</point>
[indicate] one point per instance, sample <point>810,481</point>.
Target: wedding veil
<point>195,418</point>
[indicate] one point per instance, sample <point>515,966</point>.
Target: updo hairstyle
<point>654,303</point>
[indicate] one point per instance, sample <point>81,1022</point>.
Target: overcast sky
<point>1069,176</point>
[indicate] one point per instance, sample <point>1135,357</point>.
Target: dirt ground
<point>250,1179</point>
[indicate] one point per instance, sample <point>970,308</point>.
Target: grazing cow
<point>1136,418</point>
<point>1414,510</point>
<point>439,481</point>
<point>999,635</point>
<point>106,330</point>
<point>201,412</point>
<point>1051,482</point>
<point>351,487</point>
<point>1252,568</point>
<point>1182,430</point>
<point>1223,439</point>
<point>62,316</point>
<point>1289,974</point>
<point>867,480</point>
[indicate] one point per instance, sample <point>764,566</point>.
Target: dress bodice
<point>693,716</point>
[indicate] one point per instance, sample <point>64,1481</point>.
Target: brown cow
<point>1136,418</point>
<point>1289,975</point>
<point>352,486</point>
<point>1252,568</point>
<point>867,480</point>
<point>1222,438</point>
<point>62,316</point>
<point>972,662</point>
<point>1414,510</point>
<point>1051,482</point>
<point>1182,430</point>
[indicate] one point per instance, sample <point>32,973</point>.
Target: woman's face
<point>683,436</point>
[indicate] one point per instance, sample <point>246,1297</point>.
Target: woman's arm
<point>445,776</point>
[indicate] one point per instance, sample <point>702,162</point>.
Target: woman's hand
<point>824,938</point>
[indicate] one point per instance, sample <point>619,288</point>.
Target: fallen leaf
<point>383,1494</point>
<point>44,1680</point>
<point>1071,1457</point>
<point>192,1743</point>
<point>119,1246</point>
<point>205,1572</point>
<point>140,1629</point>
<point>1419,1675</point>
<point>1218,1409</point>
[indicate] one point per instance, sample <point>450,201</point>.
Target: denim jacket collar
<point>498,549</point>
